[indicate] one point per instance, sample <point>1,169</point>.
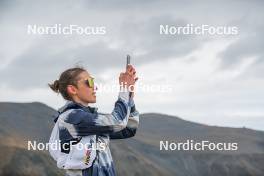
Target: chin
<point>93,101</point>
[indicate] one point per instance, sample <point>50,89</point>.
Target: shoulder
<point>76,116</point>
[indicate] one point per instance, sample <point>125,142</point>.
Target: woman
<point>78,123</point>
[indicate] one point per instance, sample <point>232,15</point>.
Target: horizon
<point>162,114</point>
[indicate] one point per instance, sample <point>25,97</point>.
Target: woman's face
<point>85,92</point>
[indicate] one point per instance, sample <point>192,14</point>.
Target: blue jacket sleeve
<point>132,125</point>
<point>82,123</point>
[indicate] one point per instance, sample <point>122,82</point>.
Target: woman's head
<point>75,84</point>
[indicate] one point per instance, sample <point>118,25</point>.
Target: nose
<point>95,88</point>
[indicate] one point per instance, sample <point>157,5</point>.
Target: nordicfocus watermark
<point>191,145</point>
<point>139,87</point>
<point>59,29</point>
<point>59,146</point>
<point>204,29</point>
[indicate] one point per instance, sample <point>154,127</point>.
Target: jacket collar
<point>73,105</point>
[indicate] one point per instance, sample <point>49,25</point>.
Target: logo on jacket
<point>87,157</point>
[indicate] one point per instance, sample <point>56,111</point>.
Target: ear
<point>72,90</point>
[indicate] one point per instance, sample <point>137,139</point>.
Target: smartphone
<point>127,63</point>
<point>128,60</point>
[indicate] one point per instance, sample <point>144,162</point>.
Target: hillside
<point>137,156</point>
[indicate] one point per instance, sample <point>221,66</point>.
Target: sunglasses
<point>89,82</point>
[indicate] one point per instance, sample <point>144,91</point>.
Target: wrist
<point>124,94</point>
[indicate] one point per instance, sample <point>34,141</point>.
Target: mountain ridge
<point>139,155</point>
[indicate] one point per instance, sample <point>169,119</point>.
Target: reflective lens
<point>90,82</point>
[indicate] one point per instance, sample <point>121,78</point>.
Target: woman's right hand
<point>128,79</point>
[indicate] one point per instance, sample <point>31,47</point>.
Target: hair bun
<point>55,86</point>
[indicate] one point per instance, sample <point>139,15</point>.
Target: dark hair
<point>68,77</point>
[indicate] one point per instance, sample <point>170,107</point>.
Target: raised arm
<point>132,125</point>
<point>82,123</point>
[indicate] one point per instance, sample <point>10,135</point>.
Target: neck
<point>77,100</point>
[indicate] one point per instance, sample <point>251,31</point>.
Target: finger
<point>131,71</point>
<point>121,75</point>
<point>128,67</point>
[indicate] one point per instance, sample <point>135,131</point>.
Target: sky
<point>214,79</point>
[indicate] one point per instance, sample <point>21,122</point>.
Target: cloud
<point>144,36</point>
<point>42,63</point>
<point>213,76</point>
<point>249,42</point>
<point>33,61</point>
